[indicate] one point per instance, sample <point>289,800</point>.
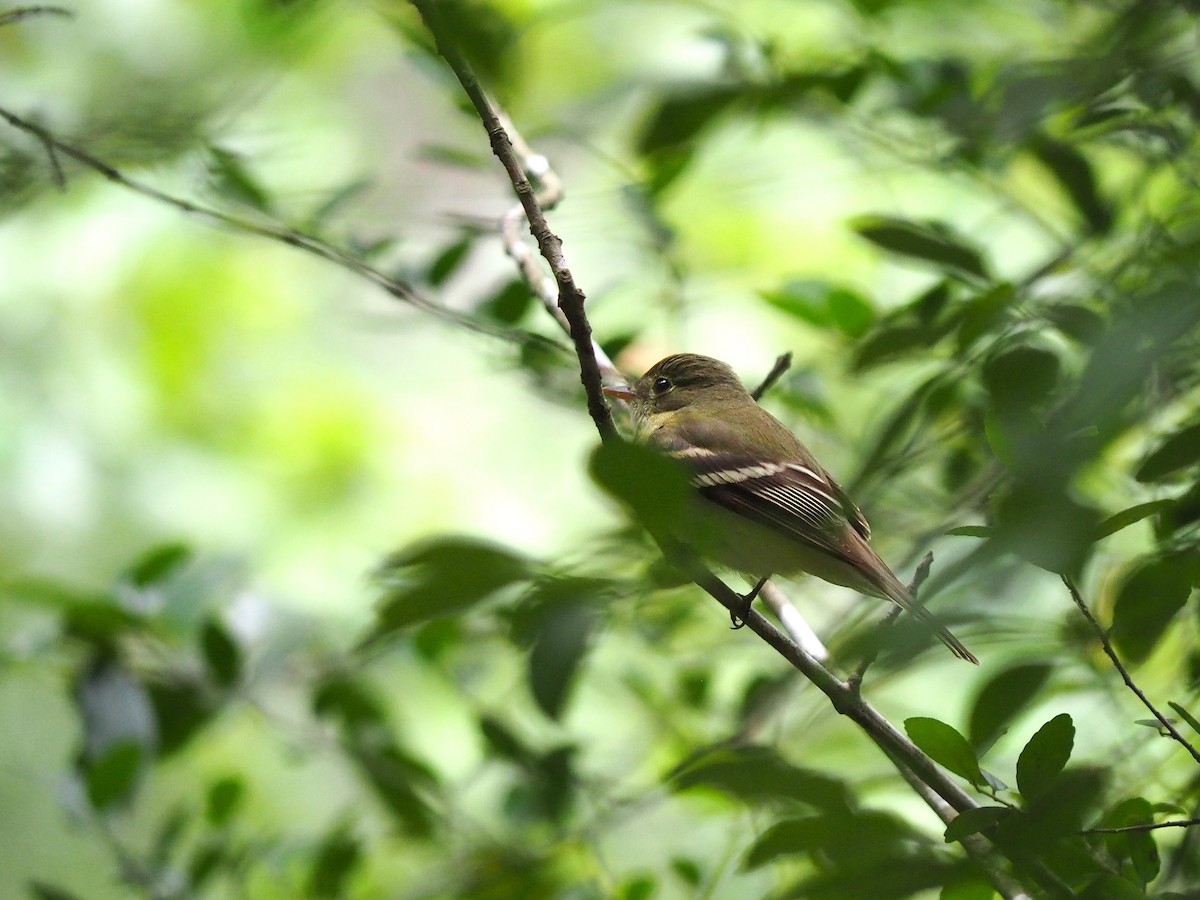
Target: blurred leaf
<point>400,782</point>
<point>756,774</point>
<point>1147,600</point>
<point>42,890</point>
<point>338,855</point>
<point>975,531</point>
<point>231,179</point>
<point>111,777</point>
<point>679,118</point>
<point>1074,173</point>
<point>804,299</point>
<point>656,488</point>
<point>1049,529</point>
<point>350,700</point>
<point>928,242</point>
<point>1045,756</point>
<point>222,655</point>
<point>1130,516</point>
<point>967,890</point>
<point>983,312</point>
<point>1185,715</point>
<point>1138,847</point>
<point>945,746</point>
<point>973,821</point>
<point>509,304</point>
<point>335,203</point>
<point>1075,321</point>
<point>563,623</point>
<point>448,261</point>
<point>1179,451</point>
<point>852,313</point>
<point>225,798</point>
<point>688,871</point>
<point>503,743</point>
<point>1022,375</point>
<point>1002,699</point>
<point>1112,887</point>
<point>182,707</point>
<point>639,887</point>
<point>157,565</point>
<point>842,836</point>
<point>442,577</point>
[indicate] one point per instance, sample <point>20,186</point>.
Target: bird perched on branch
<point>783,513</point>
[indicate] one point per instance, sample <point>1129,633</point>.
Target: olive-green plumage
<point>784,513</point>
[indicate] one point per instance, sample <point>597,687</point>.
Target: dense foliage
<point>976,226</point>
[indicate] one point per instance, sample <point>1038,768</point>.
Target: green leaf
<point>1130,516</point>
<point>1112,887</point>
<point>841,836</point>
<point>1074,173</point>
<point>1147,601</point>
<point>852,313</point>
<point>1050,529</point>
<point>756,774</point>
<point>225,798</point>
<point>928,242</point>
<point>448,262</point>
<point>656,488</point>
<point>503,743</point>
<point>1045,756</point>
<point>975,531</point>
<point>984,312</point>
<point>1179,451</point>
<point>1185,715</point>
<point>1002,699</point>
<point>222,655</point>
<point>182,707</point>
<point>679,119</point>
<point>563,624</point>
<point>111,777</point>
<point>442,577</point>
<point>232,180</point>
<point>1138,847</point>
<point>805,300</point>
<point>973,821</point>
<point>945,746</point>
<point>1022,375</point>
<point>509,304</point>
<point>339,853</point>
<point>349,701</point>
<point>43,890</point>
<point>157,565</point>
<point>400,782</point>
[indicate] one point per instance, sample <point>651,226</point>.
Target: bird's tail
<point>890,587</point>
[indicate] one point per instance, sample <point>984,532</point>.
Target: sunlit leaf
<point>1045,755</point>
<point>943,744</point>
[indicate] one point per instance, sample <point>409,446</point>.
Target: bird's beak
<point>620,391</point>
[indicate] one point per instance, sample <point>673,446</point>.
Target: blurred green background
<point>973,224</point>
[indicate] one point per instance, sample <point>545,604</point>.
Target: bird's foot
<point>737,617</point>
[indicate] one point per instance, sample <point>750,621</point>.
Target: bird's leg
<point>738,617</point>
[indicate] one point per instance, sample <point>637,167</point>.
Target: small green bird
<point>784,514</point>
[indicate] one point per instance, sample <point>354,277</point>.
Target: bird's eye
<point>662,385</point>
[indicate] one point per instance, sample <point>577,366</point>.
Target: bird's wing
<point>796,498</point>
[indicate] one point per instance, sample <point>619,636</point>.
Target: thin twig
<point>792,621</point>
<point>782,364</point>
<point>291,237</point>
<point>27,12</point>
<point>570,297</point>
<point>1149,826</point>
<point>918,579</point>
<point>1116,661</point>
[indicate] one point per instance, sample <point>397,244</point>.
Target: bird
<point>778,511</point>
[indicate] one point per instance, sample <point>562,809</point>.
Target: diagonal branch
<point>570,297</point>
<point>56,147</point>
<point>1124,673</point>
